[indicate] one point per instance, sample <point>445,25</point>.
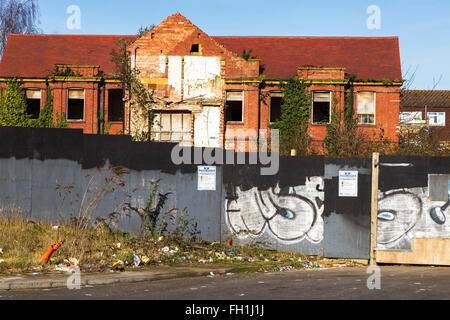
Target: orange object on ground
<point>229,242</point>
<point>50,251</point>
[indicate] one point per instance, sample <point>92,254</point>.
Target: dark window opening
<point>321,107</point>
<point>195,48</point>
<point>33,108</point>
<point>234,111</point>
<point>275,108</point>
<point>115,105</point>
<point>75,105</point>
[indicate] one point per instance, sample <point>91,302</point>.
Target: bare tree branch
<point>17,16</point>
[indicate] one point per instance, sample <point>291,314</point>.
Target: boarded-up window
<point>276,100</point>
<point>75,104</point>
<point>172,127</point>
<point>365,107</point>
<point>115,105</point>
<point>234,106</point>
<point>321,107</point>
<point>33,102</point>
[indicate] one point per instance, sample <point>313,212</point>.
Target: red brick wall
<point>441,132</point>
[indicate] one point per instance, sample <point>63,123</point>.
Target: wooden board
<point>424,251</point>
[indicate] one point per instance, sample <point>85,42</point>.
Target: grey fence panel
<point>347,219</point>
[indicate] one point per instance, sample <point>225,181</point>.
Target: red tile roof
<point>421,98</point>
<point>34,56</point>
<point>367,58</point>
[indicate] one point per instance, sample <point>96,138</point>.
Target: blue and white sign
<point>206,178</point>
<point>348,183</point>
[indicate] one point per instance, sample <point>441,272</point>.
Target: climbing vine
<point>295,113</point>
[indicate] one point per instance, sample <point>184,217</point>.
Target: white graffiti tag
<point>289,214</point>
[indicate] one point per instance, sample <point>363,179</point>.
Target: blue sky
<point>423,27</point>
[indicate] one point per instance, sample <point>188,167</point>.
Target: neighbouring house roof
<point>34,56</point>
<point>367,58</point>
<point>422,98</point>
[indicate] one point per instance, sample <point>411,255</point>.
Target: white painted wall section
<point>206,127</point>
<point>174,73</point>
<point>202,77</point>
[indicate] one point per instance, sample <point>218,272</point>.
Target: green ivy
<point>13,111</point>
<point>295,113</point>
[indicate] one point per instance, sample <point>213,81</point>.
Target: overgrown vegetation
<point>13,109</point>
<point>295,113</point>
<point>140,99</point>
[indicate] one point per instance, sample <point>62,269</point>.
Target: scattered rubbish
<point>64,267</point>
<point>55,227</point>
<point>286,268</point>
<point>145,259</point>
<point>211,273</point>
<point>228,274</point>
<point>300,259</point>
<point>165,249</point>
<point>220,255</point>
<point>229,242</point>
<point>35,274</point>
<point>136,260</point>
<point>2,260</point>
<point>46,256</point>
<point>210,260</point>
<point>202,260</point>
<point>161,238</point>
<point>118,245</point>
<point>118,266</point>
<point>1,251</point>
<point>74,261</point>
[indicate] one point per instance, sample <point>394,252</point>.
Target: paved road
<point>399,282</point>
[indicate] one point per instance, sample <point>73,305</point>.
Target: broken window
<point>172,127</point>
<point>195,48</point>
<point>276,100</point>
<point>321,107</point>
<point>234,106</point>
<point>365,107</point>
<point>115,105</point>
<point>33,97</point>
<point>75,104</point>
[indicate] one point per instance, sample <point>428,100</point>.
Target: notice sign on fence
<point>206,178</point>
<point>348,183</point>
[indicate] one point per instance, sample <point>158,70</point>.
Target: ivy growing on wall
<point>13,109</point>
<point>295,113</point>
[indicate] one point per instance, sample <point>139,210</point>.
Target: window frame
<point>40,99</point>
<point>281,95</point>
<point>67,105</point>
<point>374,109</point>
<point>122,104</point>
<point>243,106</point>
<point>436,125</point>
<point>156,134</point>
<point>312,107</point>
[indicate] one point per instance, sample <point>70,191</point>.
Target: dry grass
<point>23,241</point>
